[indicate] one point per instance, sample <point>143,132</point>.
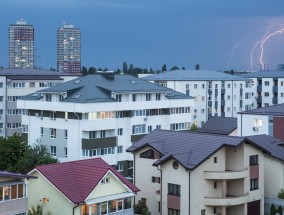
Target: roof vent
<point>36,94</point>
<point>76,82</point>
<point>76,96</point>
<point>133,82</point>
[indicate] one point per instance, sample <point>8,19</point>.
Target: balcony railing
<point>14,206</point>
<point>228,201</point>
<point>226,175</point>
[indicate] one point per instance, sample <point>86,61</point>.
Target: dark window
<point>203,212</point>
<point>174,189</point>
<point>156,179</point>
<point>215,160</point>
<point>147,154</point>
<point>159,206</point>
<point>175,165</point>
<point>144,201</point>
<point>215,210</point>
<point>253,160</point>
<point>215,185</point>
<point>173,212</point>
<point>254,184</point>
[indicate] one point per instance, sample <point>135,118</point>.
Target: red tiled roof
<point>76,179</point>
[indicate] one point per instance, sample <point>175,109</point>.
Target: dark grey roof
<point>14,175</point>
<point>264,74</point>
<point>219,125</point>
<point>191,149</point>
<point>274,110</point>
<point>99,88</point>
<point>34,74</point>
<point>193,75</point>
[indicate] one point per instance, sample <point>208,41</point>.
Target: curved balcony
<point>228,201</point>
<point>226,175</point>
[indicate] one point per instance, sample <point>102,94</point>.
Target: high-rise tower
<point>21,45</point>
<point>69,49</point>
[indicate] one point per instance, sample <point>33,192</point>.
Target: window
<point>120,131</point>
<point>215,160</point>
<point>66,134</point>
<point>138,129</point>
<point>228,85</point>
<point>174,189</point>
<point>53,150</point>
<point>216,86</point>
<point>156,180</point>
<point>133,97</point>
<point>158,127</point>
<point>203,98</point>
<point>66,152</point>
<point>203,212</point>
<point>118,98</point>
<point>195,86</point>
<point>158,96</point>
<point>119,149</point>
<point>48,97</point>
<point>149,128</point>
<point>106,180</point>
<point>102,134</point>
<point>215,185</point>
<point>258,122</point>
<point>253,160</point>
<point>92,134</point>
<point>1,98</point>
<point>32,84</point>
<point>266,94</point>
<point>228,97</point>
<point>149,154</point>
<point>53,115</point>
<point>148,97</point>
<point>25,128</point>
<point>254,184</point>
<point>202,110</point>
<point>266,83</point>
<point>52,133</point>
<point>187,89</point>
<point>119,167</point>
<point>130,164</point>
<point>173,212</point>
<point>41,131</point>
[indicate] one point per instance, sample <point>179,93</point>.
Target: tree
<point>37,211</point>
<point>145,211</point>
<point>17,156</point>
<point>194,127</point>
<point>141,208</point>
<point>280,210</point>
<point>273,210</point>
<point>124,68</point>
<point>197,67</point>
<point>84,70</point>
<point>174,68</point>
<point>164,68</point>
<point>281,194</point>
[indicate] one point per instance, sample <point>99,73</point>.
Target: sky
<point>217,35</point>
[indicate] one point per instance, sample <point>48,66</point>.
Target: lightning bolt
<point>264,41</point>
<point>258,42</point>
<point>234,49</point>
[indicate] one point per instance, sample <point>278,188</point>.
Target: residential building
<point>81,187</point>
<point>199,173</point>
<point>21,45</point>
<point>69,49</point>
<point>266,120</point>
<point>15,83</point>
<point>101,115</point>
<point>13,193</point>
<point>220,125</point>
<point>268,87</point>
<point>215,93</point>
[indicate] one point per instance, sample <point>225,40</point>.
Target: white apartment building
<point>196,173</point>
<point>101,115</point>
<point>15,83</point>
<point>268,87</point>
<point>266,120</point>
<point>215,93</point>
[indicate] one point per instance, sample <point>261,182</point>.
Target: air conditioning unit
<point>255,128</point>
<point>37,114</point>
<point>145,119</point>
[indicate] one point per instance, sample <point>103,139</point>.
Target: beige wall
<point>273,177</point>
<point>143,180</point>
<point>114,187</point>
<point>235,158</point>
<point>41,188</point>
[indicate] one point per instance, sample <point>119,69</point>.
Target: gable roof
<point>273,110</point>
<point>264,74</point>
<point>194,75</point>
<point>191,149</point>
<point>219,125</point>
<point>100,87</point>
<point>73,178</point>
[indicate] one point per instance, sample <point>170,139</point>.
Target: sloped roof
<point>273,110</point>
<point>191,149</point>
<point>264,74</point>
<point>193,75</point>
<point>99,88</point>
<point>15,175</point>
<point>76,179</point>
<point>219,125</point>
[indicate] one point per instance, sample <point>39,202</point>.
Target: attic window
<point>76,96</point>
<point>175,165</point>
<point>76,82</point>
<point>133,82</point>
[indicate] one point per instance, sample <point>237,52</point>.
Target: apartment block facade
<point>15,83</point>
<point>69,49</point>
<point>215,93</point>
<point>101,115</point>
<point>21,45</point>
<point>194,173</point>
<point>268,87</point>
